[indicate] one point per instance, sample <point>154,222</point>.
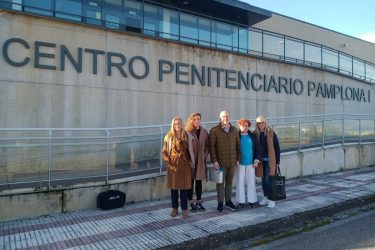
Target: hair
<point>222,113</point>
<point>173,132</point>
<point>261,119</point>
<point>242,121</point>
<point>189,123</point>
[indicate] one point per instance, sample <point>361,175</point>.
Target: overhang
<point>229,10</point>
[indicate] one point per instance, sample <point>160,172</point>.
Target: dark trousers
<point>266,178</point>
<point>224,190</point>
<point>183,198</point>
<point>198,190</point>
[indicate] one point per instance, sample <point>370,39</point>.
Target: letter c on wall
<point>6,54</point>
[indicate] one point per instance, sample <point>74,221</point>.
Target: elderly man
<point>225,153</point>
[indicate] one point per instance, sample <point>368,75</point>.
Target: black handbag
<point>277,186</point>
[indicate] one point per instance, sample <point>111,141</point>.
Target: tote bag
<point>277,187</point>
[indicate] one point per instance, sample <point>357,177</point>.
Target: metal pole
<point>323,133</point>
<point>359,128</point>
<point>49,158</point>
<point>299,136</point>
<point>161,148</point>
<point>343,131</point>
<point>107,159</point>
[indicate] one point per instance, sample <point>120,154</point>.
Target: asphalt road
<point>352,229</point>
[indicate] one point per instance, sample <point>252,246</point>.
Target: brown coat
<point>176,155</point>
<point>199,153</point>
<point>225,147</point>
<point>271,153</point>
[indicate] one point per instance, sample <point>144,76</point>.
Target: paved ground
<point>147,225</point>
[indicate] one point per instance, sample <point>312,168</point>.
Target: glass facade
<point>150,19</point>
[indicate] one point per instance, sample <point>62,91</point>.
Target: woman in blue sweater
<point>245,172</point>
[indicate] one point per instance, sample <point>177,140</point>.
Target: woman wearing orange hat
<point>245,172</point>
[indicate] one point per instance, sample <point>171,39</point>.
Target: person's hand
<point>216,165</point>
<point>238,163</point>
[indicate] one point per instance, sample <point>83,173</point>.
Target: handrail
<point>58,164</point>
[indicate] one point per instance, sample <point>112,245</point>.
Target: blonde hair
<point>172,131</point>
<point>189,123</point>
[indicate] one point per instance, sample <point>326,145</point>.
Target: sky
<point>351,17</point>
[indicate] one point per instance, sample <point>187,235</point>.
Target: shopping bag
<point>215,175</point>
<point>277,187</point>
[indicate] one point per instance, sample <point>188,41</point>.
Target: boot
<point>185,213</point>
<point>174,212</point>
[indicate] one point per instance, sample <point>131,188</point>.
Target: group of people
<point>239,153</point>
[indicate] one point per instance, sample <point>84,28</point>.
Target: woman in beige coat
<point>176,155</point>
<point>198,137</point>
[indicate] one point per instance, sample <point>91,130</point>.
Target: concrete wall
<point>294,164</point>
<point>39,97</point>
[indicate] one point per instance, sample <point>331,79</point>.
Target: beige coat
<point>271,153</point>
<point>199,152</point>
<point>177,157</point>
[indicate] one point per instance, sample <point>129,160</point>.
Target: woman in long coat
<point>198,139</point>
<point>176,155</point>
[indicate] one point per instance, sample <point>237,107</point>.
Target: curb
<point>272,226</point>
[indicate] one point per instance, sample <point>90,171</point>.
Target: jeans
<point>183,198</point>
<point>266,178</point>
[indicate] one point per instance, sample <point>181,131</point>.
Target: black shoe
<point>251,205</point>
<point>200,207</point>
<point>241,205</point>
<point>230,205</point>
<point>193,207</point>
<point>220,207</point>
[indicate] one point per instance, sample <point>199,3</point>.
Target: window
<point>370,72</point>
<point>170,24</point>
<point>330,59</point>
<point>313,54</point>
<point>152,20</point>
<point>93,12</point>
<point>273,46</point>
<point>189,28</point>
<point>38,7</point>
<point>293,50</point>
<point>204,32</point>
<point>358,68</point>
<point>345,64</point>
<point>113,14</point>
<point>255,42</point>
<point>243,40</point>
<point>133,16</point>
<point>11,4</point>
<point>224,35</point>
<point>69,9</point>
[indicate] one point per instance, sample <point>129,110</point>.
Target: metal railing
<point>54,158</point>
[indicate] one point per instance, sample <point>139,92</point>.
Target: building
<point>76,74</point>
<point>127,63</point>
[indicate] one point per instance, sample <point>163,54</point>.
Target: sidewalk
<point>148,225</point>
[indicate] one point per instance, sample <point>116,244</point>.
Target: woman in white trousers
<point>245,172</point>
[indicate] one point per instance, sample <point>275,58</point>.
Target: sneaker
<point>251,205</point>
<point>193,207</point>
<point>200,207</point>
<point>271,204</point>
<point>241,205</point>
<point>264,201</point>
<point>230,205</point>
<point>220,207</point>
